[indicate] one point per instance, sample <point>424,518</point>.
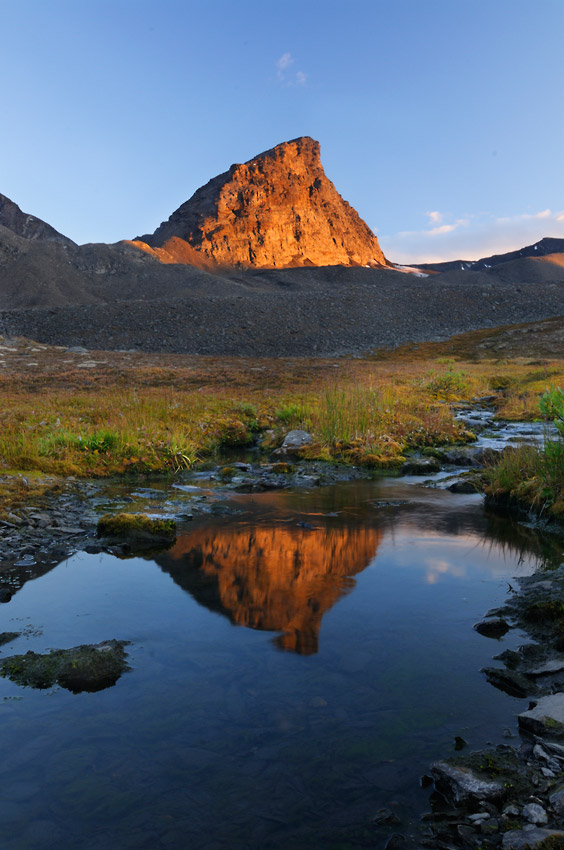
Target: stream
<point>298,662</point>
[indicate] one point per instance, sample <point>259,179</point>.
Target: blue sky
<point>441,121</point>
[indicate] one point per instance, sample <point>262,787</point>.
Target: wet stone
<point>527,839</point>
<point>546,717</point>
<point>557,801</point>
<point>535,814</point>
<point>462,785</point>
<point>508,681</point>
<point>489,826</point>
<point>494,627</point>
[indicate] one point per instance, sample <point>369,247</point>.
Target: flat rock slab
<point>523,839</point>
<point>462,785</point>
<point>556,665</point>
<point>546,718</point>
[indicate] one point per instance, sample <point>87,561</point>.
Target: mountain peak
<point>277,210</point>
<point>28,226</point>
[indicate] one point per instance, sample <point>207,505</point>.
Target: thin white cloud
<point>286,75</point>
<point>472,237</point>
<point>435,217</point>
<point>283,64</point>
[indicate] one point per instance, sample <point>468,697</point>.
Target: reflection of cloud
<point>470,237</point>
<point>283,73</point>
<point>443,555</point>
<point>437,568</point>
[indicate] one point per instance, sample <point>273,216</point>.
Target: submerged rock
<point>90,667</point>
<point>8,637</point>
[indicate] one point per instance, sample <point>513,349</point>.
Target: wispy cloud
<point>286,74</point>
<point>470,237</point>
<point>434,217</point>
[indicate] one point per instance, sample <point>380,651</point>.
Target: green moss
<point>553,842</point>
<point>82,668</point>
<point>545,610</point>
<point>227,472</point>
<point>137,532</point>
<point>283,468</point>
<point>122,524</point>
<point>372,461</point>
<point>552,724</point>
<point>432,451</point>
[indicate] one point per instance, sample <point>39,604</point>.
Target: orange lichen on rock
<point>278,210</point>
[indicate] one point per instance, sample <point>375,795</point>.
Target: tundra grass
<point>134,417</point>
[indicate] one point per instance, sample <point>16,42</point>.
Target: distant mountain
<point>278,210</point>
<point>543,248</point>
<point>28,226</point>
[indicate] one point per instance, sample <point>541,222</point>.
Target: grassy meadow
<point>142,415</point>
<point>159,419</point>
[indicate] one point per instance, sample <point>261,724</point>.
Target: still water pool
<point>295,668</point>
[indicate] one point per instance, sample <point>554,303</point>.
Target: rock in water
<point>278,210</point>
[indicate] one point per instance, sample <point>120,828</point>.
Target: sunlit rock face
<point>278,210</point>
<point>273,579</point>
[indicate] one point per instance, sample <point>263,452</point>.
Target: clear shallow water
<point>296,667</point>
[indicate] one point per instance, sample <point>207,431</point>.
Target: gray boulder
<point>461,785</point>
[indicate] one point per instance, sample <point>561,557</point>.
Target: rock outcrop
<point>279,210</point>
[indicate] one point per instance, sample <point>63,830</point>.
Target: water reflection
<point>294,555</point>
<point>280,579</point>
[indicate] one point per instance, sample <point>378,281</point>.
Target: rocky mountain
<point>278,210</point>
<point>265,260</point>
<point>28,226</point>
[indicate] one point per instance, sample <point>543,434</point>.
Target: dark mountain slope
<point>28,226</point>
<point>546,246</point>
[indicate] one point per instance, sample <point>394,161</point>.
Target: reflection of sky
<point>466,556</point>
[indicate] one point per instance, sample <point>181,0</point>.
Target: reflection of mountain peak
<point>272,578</point>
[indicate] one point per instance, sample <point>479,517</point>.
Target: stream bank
<point>70,523</point>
